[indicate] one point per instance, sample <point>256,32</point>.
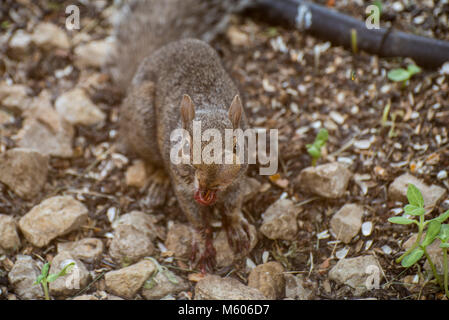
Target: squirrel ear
<point>235,111</point>
<point>187,111</point>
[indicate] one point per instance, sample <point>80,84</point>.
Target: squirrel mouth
<point>205,197</point>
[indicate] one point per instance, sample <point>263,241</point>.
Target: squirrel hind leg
<point>157,189</point>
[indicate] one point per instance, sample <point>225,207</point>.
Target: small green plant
<point>403,75</point>
<point>315,149</point>
<point>44,278</point>
<point>151,282</point>
<point>435,229</point>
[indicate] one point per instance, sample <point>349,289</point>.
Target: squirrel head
<point>211,173</point>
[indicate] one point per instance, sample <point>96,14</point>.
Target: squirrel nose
<point>205,197</point>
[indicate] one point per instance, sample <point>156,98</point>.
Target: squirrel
<point>176,80</point>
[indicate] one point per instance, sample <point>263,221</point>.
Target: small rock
<point>24,171</point>
<point>295,289</point>
<point>9,239</point>
<point>432,194</point>
<point>442,175</point>
<point>355,272</point>
<point>88,249</point>
<point>216,288</point>
<point>279,220</point>
<point>327,180</point>
<point>77,278</point>
<point>133,237</point>
<point>76,107</point>
<point>52,218</point>
<point>136,174</point>
<point>22,277</point>
<point>126,282</point>
<point>93,54</point>
<point>86,297</point>
<point>14,96</point>
<point>45,131</point>
<point>180,238</point>
<point>163,287</point>
<point>268,278</point>
<point>19,44</point>
<point>237,37</point>
<point>251,187</point>
<point>398,6</point>
<point>367,228</point>
<point>346,223</point>
<point>6,118</point>
<point>225,254</point>
<point>49,36</point>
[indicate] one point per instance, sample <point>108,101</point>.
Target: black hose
<point>336,27</point>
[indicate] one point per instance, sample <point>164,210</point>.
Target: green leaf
<point>412,257</point>
<point>45,269</point>
<point>413,69</point>
<point>398,75</point>
<point>432,232</point>
<point>414,210</point>
<point>444,245</point>
<point>39,279</point>
<point>322,137</point>
<point>401,220</point>
<point>414,196</point>
<point>442,217</point>
<point>61,273</point>
<point>444,233</point>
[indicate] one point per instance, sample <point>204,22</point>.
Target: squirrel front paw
<point>207,258</point>
<point>237,231</point>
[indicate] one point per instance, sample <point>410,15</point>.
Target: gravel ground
<point>286,85</point>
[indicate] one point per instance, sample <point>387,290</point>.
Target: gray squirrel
<point>173,77</point>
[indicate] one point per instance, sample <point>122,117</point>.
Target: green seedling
<point>315,149</point>
<point>444,245</point>
<point>415,208</point>
<point>403,75</point>
<point>151,282</point>
<point>44,279</point>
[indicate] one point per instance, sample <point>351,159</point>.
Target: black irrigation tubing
<point>336,27</point>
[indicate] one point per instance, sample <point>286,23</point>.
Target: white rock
<point>442,175</point>
<point>9,238</point>
<point>24,171</point>
<point>93,54</point>
<point>346,223</point>
<point>49,36</point>
<point>19,44</point>
<point>76,107</point>
<point>52,218</point>
<point>22,277</point>
<point>279,220</point>
<point>213,287</point>
<point>14,96</point>
<point>367,228</point>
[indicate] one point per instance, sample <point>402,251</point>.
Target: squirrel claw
<point>207,260</point>
<point>238,235</point>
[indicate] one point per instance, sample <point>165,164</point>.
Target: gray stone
<point>24,171</point>
<point>88,249</point>
<point>328,180</point>
<point>133,237</point>
<point>163,286</point>
<point>76,107</point>
<point>52,218</point>
<point>49,36</point>
<point>356,272</point>
<point>76,279</point>
<point>9,238</point>
<point>268,278</point>
<point>22,277</point>
<point>14,96</point>
<point>295,288</point>
<point>346,223</point>
<point>216,288</point>
<point>92,54</point>
<point>398,190</point>
<point>434,251</point>
<point>279,220</point>
<point>126,282</point>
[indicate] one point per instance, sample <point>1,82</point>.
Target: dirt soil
<point>285,87</point>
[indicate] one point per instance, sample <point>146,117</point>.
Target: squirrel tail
<point>143,26</point>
